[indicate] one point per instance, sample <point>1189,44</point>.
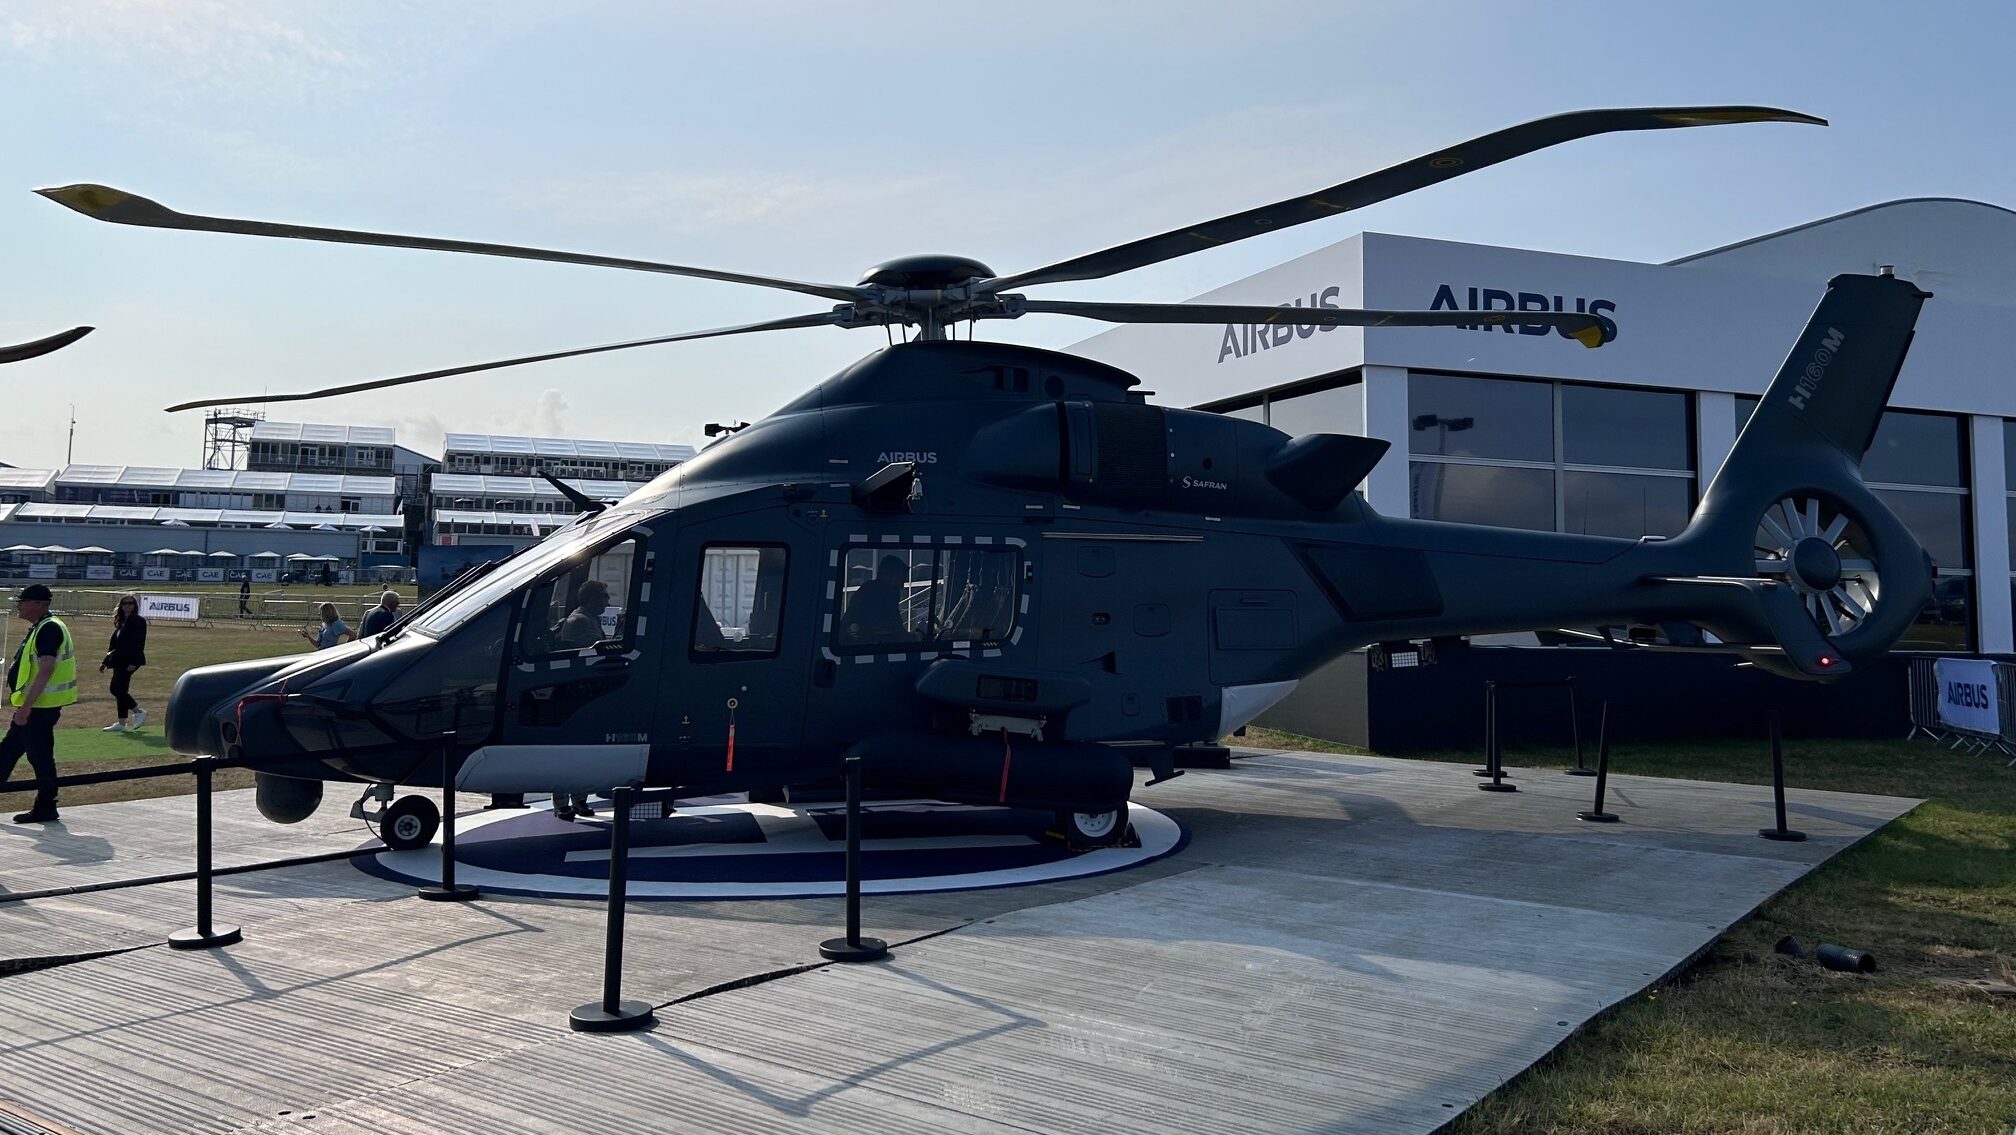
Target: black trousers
<point>38,740</point>
<point>122,682</point>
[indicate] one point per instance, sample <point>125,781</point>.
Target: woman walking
<point>126,653</point>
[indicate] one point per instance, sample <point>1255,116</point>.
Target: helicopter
<point>999,574</point>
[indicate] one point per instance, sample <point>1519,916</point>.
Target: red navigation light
<point>1826,661</point>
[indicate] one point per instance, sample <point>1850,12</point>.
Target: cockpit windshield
<point>521,570</point>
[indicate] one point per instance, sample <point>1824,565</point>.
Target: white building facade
<point>1522,427</point>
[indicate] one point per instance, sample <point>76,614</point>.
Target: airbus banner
<point>181,607</point>
<point>1967,695</point>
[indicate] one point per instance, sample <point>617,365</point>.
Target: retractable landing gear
<point>405,825</point>
<point>1087,831</point>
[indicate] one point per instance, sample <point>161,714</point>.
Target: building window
<point>1330,410</point>
<point>1550,456</point>
<point>1916,465</point>
<point>740,606</point>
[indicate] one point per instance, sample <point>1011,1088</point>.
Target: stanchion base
<point>1491,786</point>
<point>194,938</point>
<point>864,950</point>
<point>1782,835</point>
<point>1597,817</point>
<point>629,1015</point>
<point>1581,772</point>
<point>460,892</point>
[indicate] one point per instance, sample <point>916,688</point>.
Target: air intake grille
<point>1133,450</point>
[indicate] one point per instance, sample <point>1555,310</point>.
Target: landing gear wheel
<point>409,823</point>
<point>1083,831</point>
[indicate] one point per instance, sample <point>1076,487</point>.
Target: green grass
<point>1753,1042</point>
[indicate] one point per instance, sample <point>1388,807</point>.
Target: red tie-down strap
<point>250,698</point>
<point>733,704</point>
<point>1007,759</point>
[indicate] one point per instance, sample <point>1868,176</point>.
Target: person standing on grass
<point>41,680</point>
<point>125,654</point>
<point>334,630</point>
<point>245,596</point>
<point>381,617</point>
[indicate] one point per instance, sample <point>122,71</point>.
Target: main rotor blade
<point>104,203</point>
<point>1584,329</point>
<point>818,319</point>
<point>1406,177</point>
<point>43,346</point>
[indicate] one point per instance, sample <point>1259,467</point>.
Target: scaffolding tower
<point>227,436</point>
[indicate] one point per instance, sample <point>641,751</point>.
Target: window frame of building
<point>1560,466</point>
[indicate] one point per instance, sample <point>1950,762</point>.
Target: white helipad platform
<point>717,849</point>
<point>1346,944</point>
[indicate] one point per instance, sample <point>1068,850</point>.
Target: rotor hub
<point>932,270</point>
<point>1816,566</point>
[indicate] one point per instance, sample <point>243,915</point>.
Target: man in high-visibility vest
<point>41,679</point>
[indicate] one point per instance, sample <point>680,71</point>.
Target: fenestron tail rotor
<point>933,293</point>
<point>1813,545</point>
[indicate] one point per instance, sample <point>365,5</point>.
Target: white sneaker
<point>139,719</point>
<point>115,727</point>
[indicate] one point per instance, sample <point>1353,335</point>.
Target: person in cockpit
<point>875,609</point>
<point>583,625</point>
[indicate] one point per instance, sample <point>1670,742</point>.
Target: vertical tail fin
<point>1838,378</point>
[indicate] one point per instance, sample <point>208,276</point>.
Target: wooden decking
<point>1348,944</point>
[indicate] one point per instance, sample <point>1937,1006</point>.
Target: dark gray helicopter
<point>996,573</point>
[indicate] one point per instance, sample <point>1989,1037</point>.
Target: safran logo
<point>1497,299</point>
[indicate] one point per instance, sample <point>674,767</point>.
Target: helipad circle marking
<point>764,851</point>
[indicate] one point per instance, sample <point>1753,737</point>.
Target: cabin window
<point>582,605</point>
<point>740,605</point>
<point>905,597</point>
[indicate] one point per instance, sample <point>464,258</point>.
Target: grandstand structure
<point>489,491</point>
<point>311,494</point>
<point>118,521</point>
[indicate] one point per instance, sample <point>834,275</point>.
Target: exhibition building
<point>1518,426</point>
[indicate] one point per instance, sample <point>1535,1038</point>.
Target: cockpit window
<point>741,603</point>
<point>904,597</point>
<point>583,604</point>
<point>517,572</point>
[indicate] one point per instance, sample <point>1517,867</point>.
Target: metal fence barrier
<point>1924,700</point>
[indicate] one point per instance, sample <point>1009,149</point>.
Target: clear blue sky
<point>813,139</point>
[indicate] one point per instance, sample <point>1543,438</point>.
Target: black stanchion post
<point>612,1014</point>
<point>1575,729</point>
<point>449,890</point>
<point>1490,728</point>
<point>853,948</point>
<point>1596,814</point>
<point>1781,833</point>
<point>203,935</point>
<point>1494,755</point>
